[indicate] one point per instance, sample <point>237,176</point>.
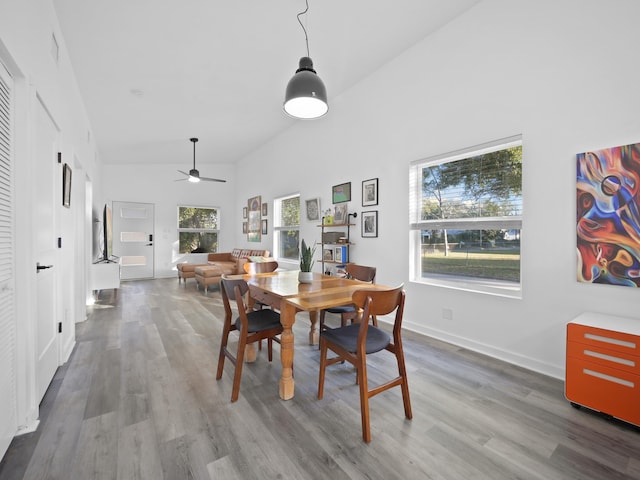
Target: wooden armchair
<point>350,312</point>
<point>253,326</point>
<point>355,341</point>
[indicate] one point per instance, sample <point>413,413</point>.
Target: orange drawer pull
<point>610,378</point>
<point>613,341</point>
<point>611,358</point>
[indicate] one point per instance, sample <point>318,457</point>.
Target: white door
<point>46,173</point>
<point>133,239</point>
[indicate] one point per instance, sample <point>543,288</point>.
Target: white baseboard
<point>500,354</point>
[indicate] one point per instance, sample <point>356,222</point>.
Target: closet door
<point>8,416</point>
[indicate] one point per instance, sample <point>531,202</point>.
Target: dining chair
<point>350,312</point>
<point>253,268</point>
<point>355,341</point>
<point>252,326</point>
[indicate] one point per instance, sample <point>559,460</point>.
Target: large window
<point>466,216</point>
<point>287,228</point>
<point>198,229</point>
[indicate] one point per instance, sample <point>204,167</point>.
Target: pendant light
<point>306,95</point>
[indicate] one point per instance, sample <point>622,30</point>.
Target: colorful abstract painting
<point>608,219</point>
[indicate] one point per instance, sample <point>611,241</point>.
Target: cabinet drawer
<point>609,339</point>
<point>604,356</point>
<point>604,389</point>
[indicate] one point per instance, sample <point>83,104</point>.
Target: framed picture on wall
<point>370,224</point>
<point>370,192</point>
<point>340,215</point>
<point>264,209</point>
<point>341,193</point>
<point>254,205</point>
<point>264,227</point>
<point>313,209</point>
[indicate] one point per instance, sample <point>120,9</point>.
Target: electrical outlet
<point>447,314</point>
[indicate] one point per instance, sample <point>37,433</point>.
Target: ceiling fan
<point>194,175</point>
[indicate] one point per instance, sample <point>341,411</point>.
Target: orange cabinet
<point>603,365</point>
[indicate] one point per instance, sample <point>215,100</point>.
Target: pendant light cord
<point>306,38</point>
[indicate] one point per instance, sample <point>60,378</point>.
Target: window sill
<point>483,286</point>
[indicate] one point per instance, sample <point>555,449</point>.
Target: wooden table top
<point>324,291</point>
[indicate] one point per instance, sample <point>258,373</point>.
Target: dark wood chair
<point>355,341</point>
<point>252,326</point>
<point>350,312</point>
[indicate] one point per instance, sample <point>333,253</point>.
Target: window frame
<point>417,225</point>
<point>277,228</point>
<point>199,230</point>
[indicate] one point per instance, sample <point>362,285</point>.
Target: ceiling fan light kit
<point>306,95</point>
<point>194,175</point>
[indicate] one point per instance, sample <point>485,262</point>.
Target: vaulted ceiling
<point>155,73</point>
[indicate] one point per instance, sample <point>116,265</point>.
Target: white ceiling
<point>154,73</point>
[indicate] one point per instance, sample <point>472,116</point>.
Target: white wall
<point>156,184</point>
<point>561,73</point>
<point>26,29</point>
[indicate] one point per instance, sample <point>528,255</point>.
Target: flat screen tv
<point>107,224</point>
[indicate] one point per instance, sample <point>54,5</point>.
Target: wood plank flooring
<point>138,399</point>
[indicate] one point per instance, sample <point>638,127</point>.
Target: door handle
<point>42,267</point>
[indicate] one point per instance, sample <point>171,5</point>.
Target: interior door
<point>45,174</point>
<point>133,239</point>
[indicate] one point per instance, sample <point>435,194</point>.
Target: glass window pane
<point>198,242</point>
<point>288,244</point>
<point>487,185</point>
<point>482,254</point>
<point>198,217</point>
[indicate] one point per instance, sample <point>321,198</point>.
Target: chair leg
<point>323,366</point>
<point>269,348</point>
<point>364,398</point>
<point>223,348</point>
<point>404,386</point>
<point>242,343</point>
<point>321,327</point>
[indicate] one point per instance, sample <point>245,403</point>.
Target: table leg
<point>287,317</point>
<point>314,335</point>
<point>250,353</point>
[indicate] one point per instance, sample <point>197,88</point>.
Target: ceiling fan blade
<point>207,179</point>
<point>181,180</point>
<point>184,173</point>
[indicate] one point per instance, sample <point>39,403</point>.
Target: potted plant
<point>306,262</point>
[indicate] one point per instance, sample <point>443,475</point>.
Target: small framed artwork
<point>253,228</point>
<point>341,193</point>
<point>66,186</point>
<point>313,209</point>
<point>370,224</point>
<point>327,255</point>
<point>340,215</point>
<point>244,227</point>
<point>264,209</point>
<point>264,226</point>
<point>370,192</point>
<point>244,212</point>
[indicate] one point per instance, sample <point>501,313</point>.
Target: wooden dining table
<point>282,291</point>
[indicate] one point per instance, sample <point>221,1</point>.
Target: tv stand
<point>105,274</point>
